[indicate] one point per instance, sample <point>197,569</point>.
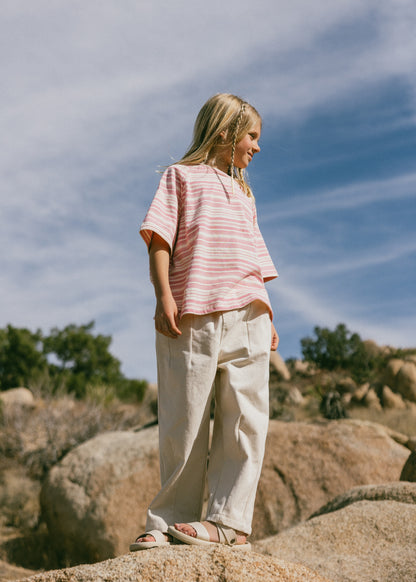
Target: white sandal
<point>160,540</point>
<point>227,536</point>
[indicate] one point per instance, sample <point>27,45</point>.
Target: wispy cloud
<point>96,95</point>
<point>352,196</point>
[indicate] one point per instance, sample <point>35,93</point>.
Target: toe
<point>145,538</point>
<point>186,529</point>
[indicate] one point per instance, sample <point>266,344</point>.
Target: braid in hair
<point>236,128</point>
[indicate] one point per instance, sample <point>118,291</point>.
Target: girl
<point>208,265</point>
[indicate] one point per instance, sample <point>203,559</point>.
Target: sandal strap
<point>226,535</point>
<point>157,534</point>
<point>201,530</point>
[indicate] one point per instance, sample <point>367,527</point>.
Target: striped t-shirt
<point>219,260</point>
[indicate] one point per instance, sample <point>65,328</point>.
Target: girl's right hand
<point>166,317</point>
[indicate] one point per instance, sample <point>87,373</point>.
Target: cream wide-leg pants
<point>227,352</point>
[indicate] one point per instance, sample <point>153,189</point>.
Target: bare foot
<point>212,531</point>
<point>149,538</point>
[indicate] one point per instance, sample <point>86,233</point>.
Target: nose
<point>256,147</point>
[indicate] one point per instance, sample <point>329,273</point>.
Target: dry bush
<point>19,499</point>
<point>41,437</point>
<point>31,442</point>
<point>403,421</point>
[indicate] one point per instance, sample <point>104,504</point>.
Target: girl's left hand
<point>275,339</point>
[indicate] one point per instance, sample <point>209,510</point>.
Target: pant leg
<point>241,417</point>
<point>186,372</point>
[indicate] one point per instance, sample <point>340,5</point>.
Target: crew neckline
<point>215,169</point>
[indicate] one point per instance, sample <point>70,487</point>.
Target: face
<point>247,147</point>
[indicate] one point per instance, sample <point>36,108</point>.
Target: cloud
<point>96,95</point>
<point>352,196</point>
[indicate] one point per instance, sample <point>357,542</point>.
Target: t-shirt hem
<point>216,307</point>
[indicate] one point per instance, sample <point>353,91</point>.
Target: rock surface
<point>185,563</point>
<point>406,381</point>
<point>362,542</point>
<point>399,491</point>
<point>391,371</point>
<point>10,572</point>
<point>17,397</point>
<point>391,399</point>
<point>94,502</point>
<point>308,464</point>
<point>371,400</point>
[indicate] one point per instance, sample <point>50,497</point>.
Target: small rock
<point>391,400</point>
<point>294,397</point>
<point>371,400</point>
<point>359,395</point>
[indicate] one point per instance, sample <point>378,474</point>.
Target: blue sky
<point>98,95</point>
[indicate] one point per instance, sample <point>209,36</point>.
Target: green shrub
<point>21,356</point>
<point>340,349</point>
<point>72,360</point>
<point>129,390</point>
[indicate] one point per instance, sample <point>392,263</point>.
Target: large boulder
<point>17,397</point>
<point>397,491</point>
<point>361,541</point>
<point>406,381</point>
<point>391,371</point>
<point>307,464</point>
<point>392,400</point>
<point>94,502</point>
<point>371,400</point>
<point>185,563</point>
<point>400,375</point>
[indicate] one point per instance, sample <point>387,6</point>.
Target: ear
<point>222,135</point>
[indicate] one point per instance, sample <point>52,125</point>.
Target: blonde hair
<point>221,123</point>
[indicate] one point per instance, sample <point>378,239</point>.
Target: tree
<point>21,357</point>
<point>81,357</point>
<point>72,358</point>
<point>332,350</point>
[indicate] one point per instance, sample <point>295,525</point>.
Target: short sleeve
<point>268,270</point>
<point>162,216</point>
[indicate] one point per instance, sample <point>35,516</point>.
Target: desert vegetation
<point>79,392</point>
<point>66,361</point>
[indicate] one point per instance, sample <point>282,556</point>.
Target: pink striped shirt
<point>219,260</point>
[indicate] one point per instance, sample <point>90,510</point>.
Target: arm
<point>166,313</point>
<point>275,339</point>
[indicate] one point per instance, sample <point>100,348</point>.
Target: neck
<point>219,163</point>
